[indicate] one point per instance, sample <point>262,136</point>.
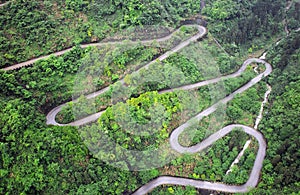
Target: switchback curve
<point>202,32</point>
<point>251,183</point>
<point>51,115</point>
<point>254,176</point>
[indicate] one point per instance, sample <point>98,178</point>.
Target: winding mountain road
<point>51,115</point>
<point>202,31</point>
<point>254,175</point>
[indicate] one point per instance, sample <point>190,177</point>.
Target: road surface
<point>251,183</point>
<point>51,115</point>
<point>254,175</point>
<point>201,29</point>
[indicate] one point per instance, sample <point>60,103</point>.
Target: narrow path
<point>260,115</point>
<point>257,121</point>
<point>219,45</point>
<point>239,156</point>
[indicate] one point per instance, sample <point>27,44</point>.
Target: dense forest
<point>244,25</point>
<point>36,158</point>
<point>33,28</point>
<point>281,124</point>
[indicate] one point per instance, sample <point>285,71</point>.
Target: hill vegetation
<point>33,28</point>
<point>36,158</point>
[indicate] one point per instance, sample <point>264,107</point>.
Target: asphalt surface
<point>162,180</point>
<point>254,175</point>
<point>201,29</point>
<point>251,183</point>
<point>193,149</point>
<point>51,115</point>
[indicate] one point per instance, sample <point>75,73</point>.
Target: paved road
<point>254,176</point>
<point>175,134</point>
<point>251,183</point>
<point>215,80</point>
<point>201,29</point>
<point>51,115</point>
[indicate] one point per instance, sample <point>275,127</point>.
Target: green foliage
<point>149,115</point>
<point>221,10</point>
<point>46,81</point>
<point>212,164</point>
<point>106,65</point>
<point>35,158</point>
<point>190,70</point>
<point>35,28</point>
<point>244,23</point>
<point>280,124</point>
<point>248,101</point>
<point>39,159</point>
<point>180,190</point>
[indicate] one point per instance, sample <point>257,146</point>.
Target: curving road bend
<point>254,175</point>
<point>255,172</point>
<point>162,180</point>
<point>51,115</point>
<point>193,149</point>
<point>257,121</point>
<point>201,33</point>
<point>251,183</point>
